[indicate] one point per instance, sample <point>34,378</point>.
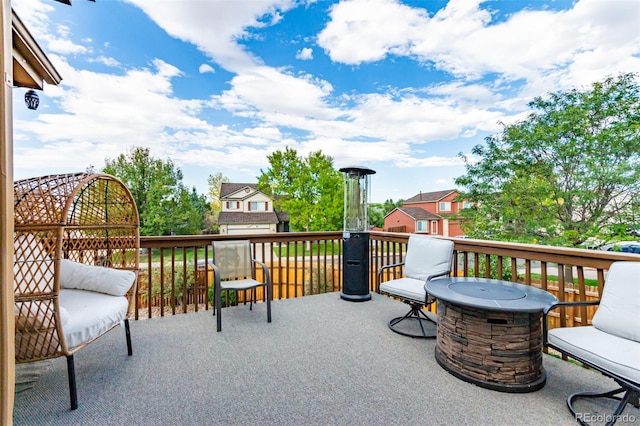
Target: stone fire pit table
<point>490,332</point>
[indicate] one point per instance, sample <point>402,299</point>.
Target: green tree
<point>568,172</point>
<point>215,182</point>
<point>164,204</point>
<point>389,205</point>
<point>309,189</point>
<point>376,215</point>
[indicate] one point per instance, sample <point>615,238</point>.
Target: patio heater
<point>355,255</point>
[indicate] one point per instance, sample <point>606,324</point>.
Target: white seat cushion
<point>91,314</point>
<point>615,354</point>
<point>407,288</point>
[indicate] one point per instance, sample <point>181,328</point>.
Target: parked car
<point>632,247</point>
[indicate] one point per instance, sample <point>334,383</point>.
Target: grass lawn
<point>587,281</point>
<point>302,249</point>
<point>179,253</point>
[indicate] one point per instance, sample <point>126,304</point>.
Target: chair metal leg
<point>71,372</point>
<point>269,297</point>
<point>630,397</point>
<point>127,333</point>
<point>415,314</point>
<point>218,307</point>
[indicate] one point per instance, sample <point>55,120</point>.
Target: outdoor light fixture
<point>31,99</point>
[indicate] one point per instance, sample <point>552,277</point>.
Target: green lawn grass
<point>587,281</point>
<point>302,249</point>
<point>179,253</point>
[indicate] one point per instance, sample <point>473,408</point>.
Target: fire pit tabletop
<point>485,293</point>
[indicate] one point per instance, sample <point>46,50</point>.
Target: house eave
<point>31,67</point>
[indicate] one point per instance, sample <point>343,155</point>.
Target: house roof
<point>227,188</point>
<point>425,197</point>
<point>417,213</point>
<point>31,67</point>
<point>240,217</point>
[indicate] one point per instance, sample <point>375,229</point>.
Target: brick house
<point>427,213</point>
<point>247,210</point>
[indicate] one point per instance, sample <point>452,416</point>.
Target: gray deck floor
<point>322,361</point>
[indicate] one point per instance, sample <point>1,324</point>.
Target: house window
<point>258,206</point>
<point>233,205</point>
<point>421,226</point>
<point>467,204</point>
<point>445,206</point>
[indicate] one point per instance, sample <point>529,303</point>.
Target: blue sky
<point>401,87</point>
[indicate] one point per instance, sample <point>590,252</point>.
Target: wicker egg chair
<point>86,222</point>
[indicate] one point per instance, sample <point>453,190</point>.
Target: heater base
<point>355,297</point>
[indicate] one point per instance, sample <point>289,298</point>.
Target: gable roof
<point>426,197</point>
<point>415,213</point>
<point>240,217</point>
<point>227,188</point>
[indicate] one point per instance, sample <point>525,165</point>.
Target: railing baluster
<point>487,266</point>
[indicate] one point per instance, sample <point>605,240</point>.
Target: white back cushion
<point>619,310</point>
<point>115,282</point>
<point>427,256</point>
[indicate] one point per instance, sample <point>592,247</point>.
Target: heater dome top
<point>357,170</point>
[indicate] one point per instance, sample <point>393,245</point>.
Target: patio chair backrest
<point>233,259</point>
<point>619,309</point>
<point>427,256</point>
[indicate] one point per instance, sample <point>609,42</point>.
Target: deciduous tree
<point>309,189</point>
<point>214,182</point>
<point>569,171</point>
<point>164,204</point>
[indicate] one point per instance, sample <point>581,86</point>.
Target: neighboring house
<point>427,213</point>
<point>246,210</point>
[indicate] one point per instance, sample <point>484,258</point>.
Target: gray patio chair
<point>234,268</point>
<point>426,258</point>
<point>611,345</point>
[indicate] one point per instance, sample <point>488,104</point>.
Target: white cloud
<point>216,26</point>
<point>34,14</point>
<point>305,54</point>
<point>266,90</point>
<point>134,109</point>
<point>492,70</point>
<point>108,61</point>
<point>462,39</point>
<point>204,68</point>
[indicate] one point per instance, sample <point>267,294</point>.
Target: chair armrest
<point>439,274</point>
<point>216,273</point>
<point>578,303</point>
<point>267,277</point>
<point>548,309</point>
<point>379,274</point>
<point>265,269</point>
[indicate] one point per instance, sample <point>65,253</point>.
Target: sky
<point>400,87</point>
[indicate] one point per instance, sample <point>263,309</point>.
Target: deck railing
<point>175,277</point>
